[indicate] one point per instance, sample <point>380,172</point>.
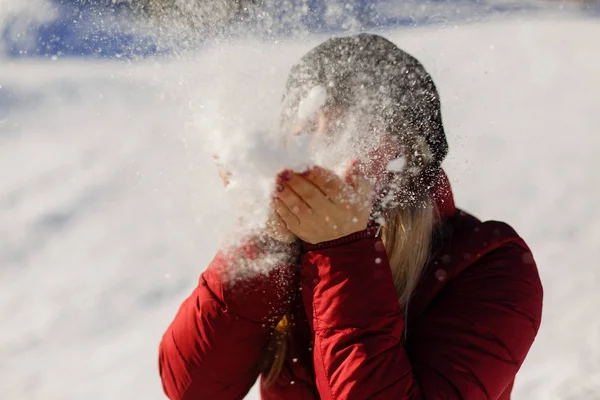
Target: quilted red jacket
<point>465,334</point>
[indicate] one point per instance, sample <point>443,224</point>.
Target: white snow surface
<point>110,205</point>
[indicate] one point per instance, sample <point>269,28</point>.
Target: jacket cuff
<point>235,279</point>
<point>370,232</point>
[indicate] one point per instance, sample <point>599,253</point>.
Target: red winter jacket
<point>467,330</point>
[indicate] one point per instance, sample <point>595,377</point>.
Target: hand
<point>276,229</point>
<point>320,206</point>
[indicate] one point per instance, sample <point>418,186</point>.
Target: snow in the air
<point>111,204</point>
<point>396,165</point>
<point>314,101</point>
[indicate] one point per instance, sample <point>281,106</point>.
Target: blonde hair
<point>407,235</point>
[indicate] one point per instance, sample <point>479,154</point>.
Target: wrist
<point>371,231</point>
<point>267,242</point>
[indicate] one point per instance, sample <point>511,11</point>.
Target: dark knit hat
<point>387,87</point>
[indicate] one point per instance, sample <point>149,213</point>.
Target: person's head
<point>383,102</point>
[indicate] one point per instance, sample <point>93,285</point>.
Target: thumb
<point>352,173</point>
<point>355,177</point>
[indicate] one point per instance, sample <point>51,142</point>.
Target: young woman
<point>393,293</point>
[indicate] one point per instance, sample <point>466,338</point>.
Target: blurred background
<point>110,207</point>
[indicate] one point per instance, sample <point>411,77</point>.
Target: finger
<point>352,172</point>
<point>364,190</point>
<point>308,192</point>
<point>292,200</point>
<point>288,217</point>
<point>331,185</point>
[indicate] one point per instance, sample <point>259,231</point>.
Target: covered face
<point>367,100</point>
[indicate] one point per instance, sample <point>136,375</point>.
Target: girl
<point>388,290</point>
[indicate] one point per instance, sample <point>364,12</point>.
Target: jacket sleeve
<point>213,347</point>
<point>469,345</point>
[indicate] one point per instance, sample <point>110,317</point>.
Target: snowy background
<point>110,208</point>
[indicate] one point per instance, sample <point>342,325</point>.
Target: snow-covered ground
<point>109,208</point>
